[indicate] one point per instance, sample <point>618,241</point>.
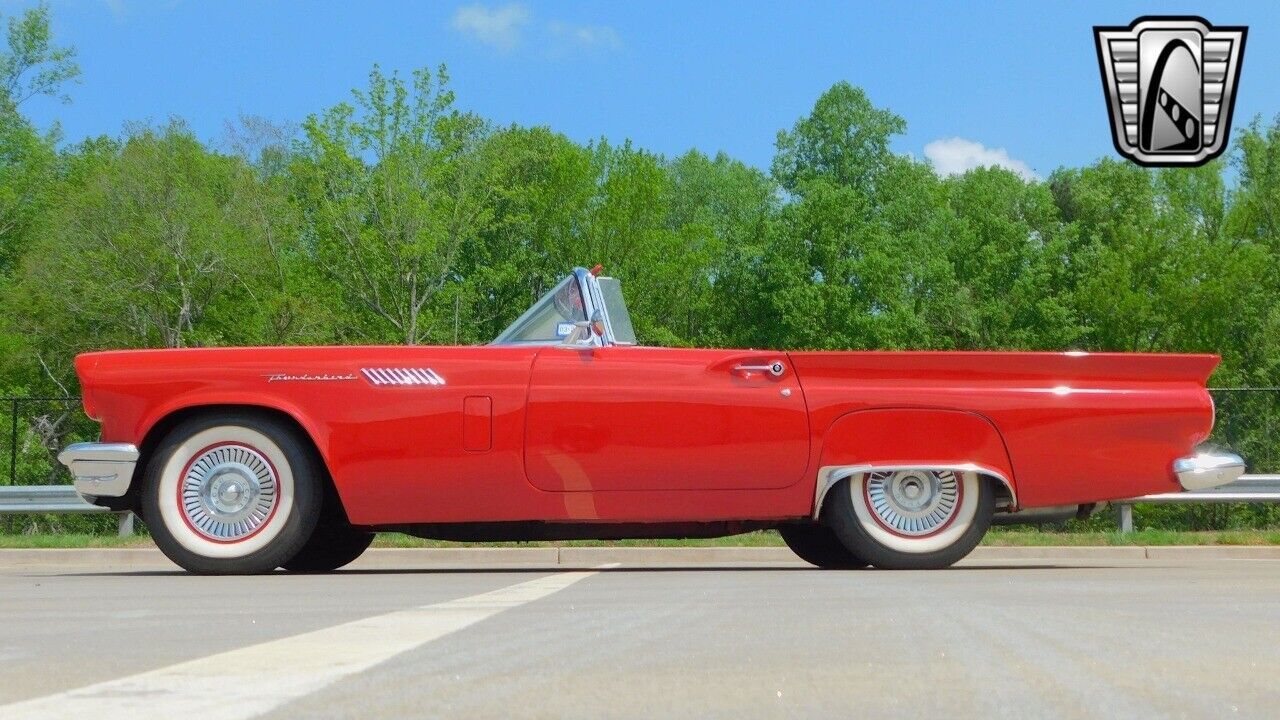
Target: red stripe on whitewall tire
<point>172,478</point>
<point>950,515</point>
<point>955,526</point>
<point>202,454</point>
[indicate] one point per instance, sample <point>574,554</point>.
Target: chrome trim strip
<point>596,297</point>
<point>100,469</point>
<point>403,376</point>
<point>1208,468</point>
<point>829,475</point>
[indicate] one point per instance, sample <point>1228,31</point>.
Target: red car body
<point>626,434</point>
<point>249,459</point>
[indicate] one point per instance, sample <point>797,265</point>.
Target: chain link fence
<point>33,430</point>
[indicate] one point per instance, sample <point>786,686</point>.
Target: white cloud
<point>956,156</point>
<point>499,27</point>
<point>586,36</point>
<point>116,8</point>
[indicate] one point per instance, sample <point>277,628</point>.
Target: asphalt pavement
<point>1102,636</point>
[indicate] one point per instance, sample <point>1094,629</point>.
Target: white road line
<point>250,681</point>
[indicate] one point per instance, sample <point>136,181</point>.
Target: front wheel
<point>232,493</point>
<point>914,519</point>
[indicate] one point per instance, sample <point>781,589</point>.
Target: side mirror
<point>584,331</point>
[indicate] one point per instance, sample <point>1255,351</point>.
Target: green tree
<point>1007,248</point>
<point>542,186</point>
<point>155,242</point>
<point>28,166</point>
<point>1252,229</point>
<point>33,65</point>
<point>391,191</point>
<point>1153,269</point>
<point>844,140</point>
<point>30,66</point>
<point>857,257</point>
<point>721,209</point>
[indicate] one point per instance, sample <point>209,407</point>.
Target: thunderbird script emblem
<point>1170,84</point>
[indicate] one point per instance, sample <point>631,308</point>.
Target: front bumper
<point>100,469</point>
<point>1207,469</point>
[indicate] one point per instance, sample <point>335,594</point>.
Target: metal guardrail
<point>1246,488</point>
<point>54,499</point>
<point>44,499</point>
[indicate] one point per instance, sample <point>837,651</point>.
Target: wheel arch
<point>164,423</point>
<point>908,437</point>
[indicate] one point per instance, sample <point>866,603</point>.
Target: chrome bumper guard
<point>1207,469</point>
<point>100,469</point>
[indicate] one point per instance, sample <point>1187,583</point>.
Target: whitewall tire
<point>232,493</point>
<point>911,518</point>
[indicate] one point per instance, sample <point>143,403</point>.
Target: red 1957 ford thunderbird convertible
<point>242,460</point>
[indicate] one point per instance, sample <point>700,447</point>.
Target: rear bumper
<point>100,469</point>
<point>1207,469</point>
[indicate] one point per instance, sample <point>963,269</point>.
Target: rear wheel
<point>914,519</point>
<point>232,493</point>
<point>817,545</point>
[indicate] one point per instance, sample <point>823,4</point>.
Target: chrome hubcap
<point>913,502</point>
<point>228,492</point>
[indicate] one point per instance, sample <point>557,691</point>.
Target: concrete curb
<point>580,557</point>
<point>660,556</point>
<point>1060,552</point>
<point>1205,552</point>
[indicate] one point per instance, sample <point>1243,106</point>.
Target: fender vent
<point>402,376</point>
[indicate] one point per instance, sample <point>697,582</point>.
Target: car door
<point>638,418</point>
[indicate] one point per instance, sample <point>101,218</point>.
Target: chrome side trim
<point>1208,468</point>
<point>402,376</point>
<point>595,302</point>
<point>100,469</point>
<point>829,475</point>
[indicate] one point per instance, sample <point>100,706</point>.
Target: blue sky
<point>1015,83</point>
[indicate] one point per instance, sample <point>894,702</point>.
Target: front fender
<point>892,438</point>
<point>147,421</point>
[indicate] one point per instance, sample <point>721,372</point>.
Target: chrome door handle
<point>775,368</point>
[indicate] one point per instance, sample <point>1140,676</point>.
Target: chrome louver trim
<point>402,376</point>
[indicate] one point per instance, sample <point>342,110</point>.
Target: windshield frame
<point>592,299</point>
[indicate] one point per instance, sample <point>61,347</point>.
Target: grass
<point>997,538</point>
<point>1024,537</point>
<point>72,540</point>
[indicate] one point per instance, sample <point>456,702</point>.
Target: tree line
<point>398,217</point>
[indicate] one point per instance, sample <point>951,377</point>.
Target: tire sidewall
<point>284,533</point>
<point>853,522</point>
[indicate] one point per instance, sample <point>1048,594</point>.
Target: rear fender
<point>899,438</point>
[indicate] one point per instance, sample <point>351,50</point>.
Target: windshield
<point>550,319</point>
